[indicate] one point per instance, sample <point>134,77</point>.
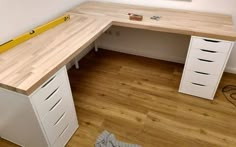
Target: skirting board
<point>230,70</point>
<point>160,57</point>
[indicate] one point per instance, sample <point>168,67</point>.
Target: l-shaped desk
<point>34,82</point>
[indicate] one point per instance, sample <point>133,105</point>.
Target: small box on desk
<point>135,17</point>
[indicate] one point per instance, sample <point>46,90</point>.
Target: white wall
<point>216,6</point>
<point>157,45</point>
<point>20,16</point>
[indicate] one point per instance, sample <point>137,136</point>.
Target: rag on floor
<point>107,139</point>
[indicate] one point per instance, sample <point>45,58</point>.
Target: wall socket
<point>117,33</point>
<point>108,32</point>
<point>113,33</point>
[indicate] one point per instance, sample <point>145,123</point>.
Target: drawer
<point>213,67</point>
<point>200,77</point>
<point>48,88</point>
<point>55,132</point>
<point>66,134</point>
<point>51,101</point>
<point>55,113</point>
<point>211,44</point>
<point>56,120</point>
<point>198,90</point>
<point>208,55</point>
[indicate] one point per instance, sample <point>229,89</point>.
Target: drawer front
<point>198,90</point>
<point>54,132</point>
<point>201,78</point>
<point>67,133</point>
<point>56,118</point>
<point>204,65</point>
<point>211,44</point>
<point>208,55</point>
<point>48,88</point>
<point>50,102</point>
<point>57,121</point>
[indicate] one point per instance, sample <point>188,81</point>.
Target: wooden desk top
<point>174,21</point>
<point>25,67</point>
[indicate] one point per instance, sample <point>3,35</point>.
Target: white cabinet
<point>205,64</point>
<point>50,117</point>
<point>54,106</point>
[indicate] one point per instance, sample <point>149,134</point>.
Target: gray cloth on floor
<point>107,139</point>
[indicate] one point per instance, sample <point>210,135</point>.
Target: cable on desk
<point>231,89</point>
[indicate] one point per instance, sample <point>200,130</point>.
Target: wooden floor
<point>137,99</point>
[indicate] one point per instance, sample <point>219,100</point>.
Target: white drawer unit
<point>54,106</point>
<point>46,118</point>
<point>205,64</point>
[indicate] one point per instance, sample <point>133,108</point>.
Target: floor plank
<point>137,99</point>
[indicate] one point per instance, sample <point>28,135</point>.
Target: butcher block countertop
<point>202,24</point>
<point>27,66</point>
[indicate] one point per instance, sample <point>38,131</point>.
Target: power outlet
<point>117,33</point>
<point>108,32</point>
<point>112,33</point>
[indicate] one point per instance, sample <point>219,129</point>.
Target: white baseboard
<point>159,56</point>
<point>230,70</point>
<point>132,52</point>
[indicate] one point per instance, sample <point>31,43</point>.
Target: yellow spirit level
<point>24,37</point>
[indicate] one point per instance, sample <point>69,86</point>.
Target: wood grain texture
<point>25,67</point>
<point>137,99</point>
<point>5,143</point>
<point>210,25</point>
